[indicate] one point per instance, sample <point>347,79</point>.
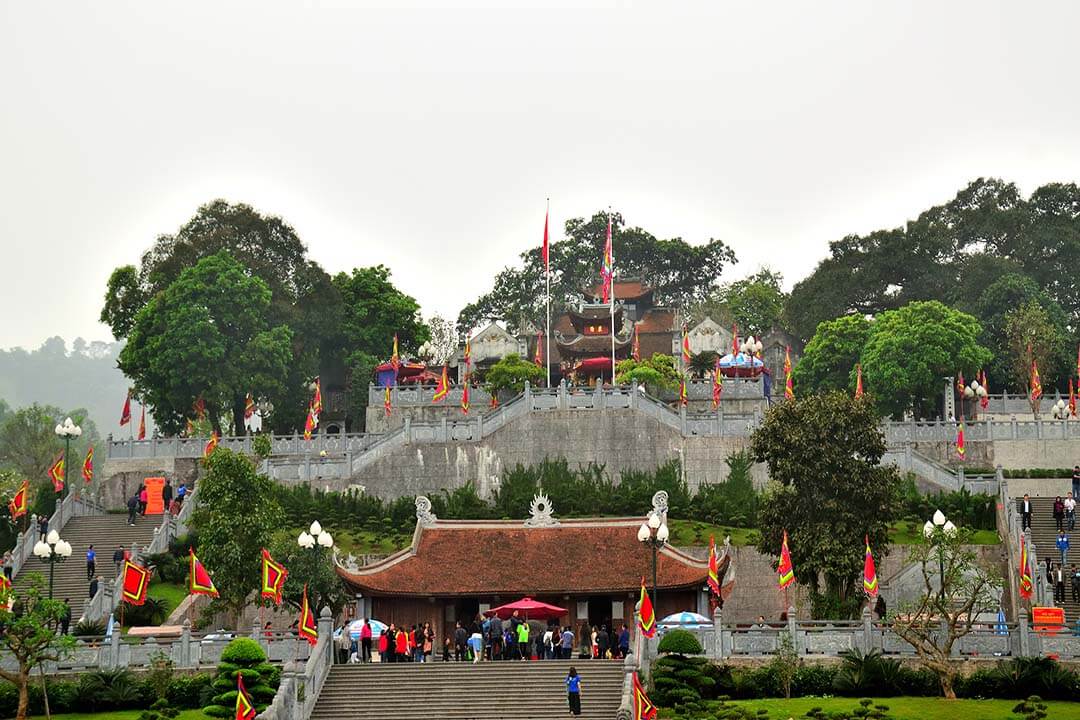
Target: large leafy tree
<point>30,637</point>
<point>1032,337</point>
<point>681,274</point>
<point>754,303</point>
<point>828,491</point>
<point>829,359</point>
<point>207,334</point>
<point>911,350</point>
<point>235,518</point>
<point>302,298</point>
<point>313,568</point>
<point>510,374</point>
<point>655,374</point>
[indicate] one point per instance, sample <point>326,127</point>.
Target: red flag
<point>88,465</point>
<point>468,357</point>
<point>682,391</point>
<point>19,504</point>
<point>494,400</point>
<point>1026,585</point>
<point>686,346</point>
<point>395,358</point>
<point>547,259</point>
<point>249,406</point>
<point>307,627</point>
<point>960,447</point>
<point>1036,383</point>
<point>785,571</point>
<point>125,412</point>
<point>734,340</point>
<point>316,400</point>
<point>643,707</point>
<point>5,584</point>
<point>211,445</point>
<point>647,619</point>
<point>142,423</point>
<point>136,580</point>
<point>858,380</point>
<point>56,473</point>
<point>717,384</point>
<point>465,398</point>
<point>607,272</point>
<point>273,578</point>
<point>789,389</point>
<point>635,350</point>
<point>245,710</point>
<point>984,401</point>
<point>388,406</point>
<point>869,579</point>
<point>538,358</point>
<point>1072,399</point>
<point>309,423</point>
<point>713,580</point>
<point>199,581</point>
<point>442,387</point>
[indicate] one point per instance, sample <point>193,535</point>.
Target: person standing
<point>624,641</point>
<point>166,495</point>
<point>523,639</point>
<point>602,642</point>
<point>181,493</point>
<point>65,619</point>
<point>461,638</point>
<point>365,642</point>
<point>401,645</point>
<point>9,566</point>
<point>573,691</point>
<point>1070,512</point>
<point>1062,545</point>
<point>1076,481</point>
<point>1074,581</point>
<point>43,527</point>
<point>118,558</point>
<point>384,645</point>
<point>515,651</point>
<point>91,562</point>
<point>1059,513</point>
<point>133,507</point>
<point>144,498</point>
<point>1025,513</point>
<point>495,636</point>
<point>94,587</point>
<point>429,641</point>
<point>567,643</point>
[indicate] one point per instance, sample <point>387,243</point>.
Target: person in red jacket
<point>401,646</point>
<point>384,645</point>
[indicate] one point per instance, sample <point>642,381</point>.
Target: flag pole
<point>547,284</point>
<point>611,283</point>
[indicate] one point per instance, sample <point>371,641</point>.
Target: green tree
<point>942,615</point>
<point>702,363</point>
<point>912,349</point>
<point>829,359</point>
<point>235,518</point>
<point>828,490</point>
<point>754,303</point>
<point>207,335</point>
<point>313,568</point>
<point>510,374</point>
<point>681,274</point>
<point>30,638</point>
<point>655,374</point>
<point>302,298</point>
<point>1033,338</point>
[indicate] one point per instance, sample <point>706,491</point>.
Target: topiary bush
<point>245,657</point>
<point>680,642</point>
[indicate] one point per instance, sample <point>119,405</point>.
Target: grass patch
<point>119,715</point>
<point>366,542</point>
<point>172,594</point>
<point>905,532</point>
<point>904,708</point>
<point>695,532</point>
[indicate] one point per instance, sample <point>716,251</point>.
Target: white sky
<point>427,137</point>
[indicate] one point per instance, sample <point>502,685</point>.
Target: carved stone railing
<point>302,680</point>
<point>71,506</point>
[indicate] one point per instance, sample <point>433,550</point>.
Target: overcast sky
<point>427,137</point>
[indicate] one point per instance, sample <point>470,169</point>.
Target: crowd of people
<point>484,639</point>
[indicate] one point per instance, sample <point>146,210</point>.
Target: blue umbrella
<point>1000,628</point>
<point>685,620</point>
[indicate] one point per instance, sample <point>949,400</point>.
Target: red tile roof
<point>464,557</point>
<point>624,290</point>
<point>657,320</point>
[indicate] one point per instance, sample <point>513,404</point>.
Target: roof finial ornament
<point>660,504</point>
<point>540,512</point>
<point>424,516</point>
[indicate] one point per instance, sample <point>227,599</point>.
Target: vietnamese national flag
<point>88,465</point>
<point>869,581</point>
<point>307,627</point>
<point>785,571</point>
<point>646,615</point>
<point>199,581</point>
<point>125,412</point>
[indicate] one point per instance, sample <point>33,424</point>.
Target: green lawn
<point>906,708</point>
<point>119,715</point>
<point>904,532</point>
<point>695,532</point>
<point>366,542</point>
<point>172,594</point>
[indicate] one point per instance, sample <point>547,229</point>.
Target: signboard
<point>1048,620</point>
<point>154,505</point>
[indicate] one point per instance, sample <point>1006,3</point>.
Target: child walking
<point>573,691</point>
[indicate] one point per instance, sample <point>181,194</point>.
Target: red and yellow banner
<point>211,445</point>
<point>442,387</point>
<point>1027,587</point>
<point>142,422</point>
<point>249,406</point>
<point>199,581</point>
<point>713,580</point>
<point>465,398</point>
<point>88,465</point>
<point>245,710</point>
<point>869,579</point>
<point>56,473</point>
<point>643,707</point>
<point>1036,383</point>
<point>19,504</point>
<point>273,578</point>
<point>125,412</point>
<point>646,615</point>
<point>686,355</point>
<point>307,627</point>
<point>717,384</point>
<point>785,571</point>
<point>789,388</point>
<point>858,380</point>
<point>136,579</point>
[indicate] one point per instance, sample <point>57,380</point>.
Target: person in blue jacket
<point>573,691</point>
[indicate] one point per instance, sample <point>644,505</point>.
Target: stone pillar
<point>633,401</point>
<point>563,403</point>
<point>867,630</point>
<point>479,427</point>
<point>114,649</point>
<point>326,630</point>
<point>1012,428</point>
<point>718,633</point>
<point>445,429</point>
<point>528,396</point>
<point>793,630</point>
<point>1024,631</point>
<point>185,659</point>
<point>407,429</point>
<point>682,419</point>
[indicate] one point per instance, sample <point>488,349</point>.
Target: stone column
<point>867,630</point>
<point>407,429</point>
<point>528,396</point>
<point>718,633</point>
<point>563,402</point>
<point>793,630</point>
<point>1024,632</point>
<point>185,659</point>
<point>114,649</point>
<point>633,401</point>
<point>326,630</point>
<point>682,419</point>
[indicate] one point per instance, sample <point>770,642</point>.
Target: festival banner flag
<point>199,581</point>
<point>961,448</point>
<point>789,389</point>
<point>646,615</point>
<point>395,357</point>
<point>538,358</point>
<point>309,423</point>
<point>643,707</point>
<point>1036,383</point>
<point>858,380</point>
<point>713,580</point>
<point>56,473</point>
<point>547,257</point>
<point>1072,399</point>
<point>1026,585</point>
<point>200,408</point>
<point>88,465</point>
<point>494,400</point>
<point>607,272</point>
<point>316,400</point>
<point>245,710</point>
<point>136,579</point>
<point>307,627</point>
<point>984,401</point>
<point>388,406</point>
<point>1078,360</point>
<point>960,383</point>
<point>442,387</point>
<point>20,503</point>
<point>717,384</point>
<point>125,412</point>
<point>5,584</point>
<point>142,422</point>
<point>211,445</point>
<point>869,573</point>
<point>686,355</point>
<point>468,357</point>
<point>682,391</point>
<point>635,349</point>
<point>785,571</point>
<point>734,340</point>
<point>249,407</point>
<point>465,398</point>
<point>273,578</point>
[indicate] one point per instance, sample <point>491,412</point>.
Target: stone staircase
<point>505,690</point>
<point>1043,534</point>
<point>105,532</point>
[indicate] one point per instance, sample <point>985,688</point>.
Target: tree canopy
<point>828,491</point>
<point>510,374</point>
<point>828,360</point>
<point>680,273</point>
<point>755,303</point>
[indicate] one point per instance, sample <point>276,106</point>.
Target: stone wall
<point>121,477</point>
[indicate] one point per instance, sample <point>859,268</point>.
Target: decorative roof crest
<point>540,509</point>
<point>424,516</point>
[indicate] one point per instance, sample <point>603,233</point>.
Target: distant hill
<point>83,376</point>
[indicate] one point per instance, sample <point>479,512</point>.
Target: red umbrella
<point>538,610</point>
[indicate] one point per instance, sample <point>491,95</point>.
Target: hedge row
<point>104,691</point>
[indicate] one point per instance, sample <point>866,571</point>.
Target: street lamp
<point>314,537</point>
<point>653,533</point>
<point>1059,411</point>
<point>66,431</point>
<point>52,550</point>
<point>974,390</point>
<point>937,530</point>
<point>751,346</point>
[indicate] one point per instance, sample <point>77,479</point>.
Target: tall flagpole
<point>547,283</point>
<point>611,284</point>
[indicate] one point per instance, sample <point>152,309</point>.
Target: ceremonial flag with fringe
<point>88,465</point>
<point>646,614</point>
<point>249,406</point>
<point>686,356</point>
<point>19,504</point>
<point>789,388</point>
<point>682,391</point>
<point>388,406</point>
<point>717,384</point>
<point>125,412</point>
<point>869,573</point>
<point>56,473</point>
<point>307,628</point>
<point>1072,399</point>
<point>465,398</point>
<point>211,445</point>
<point>713,580</point>
<point>607,271</point>
<point>395,358</point>
<point>785,571</point>
<point>961,449</point>
<point>734,340</point>
<point>442,387</point>
<point>1036,383</point>
<point>984,401</point>
<point>199,581</point>
<point>273,578</point>
<point>245,710</point>
<point>858,380</point>
<point>142,422</point>
<point>136,579</point>
<point>538,358</point>
<point>643,707</point>
<point>635,349</point>
<point>1026,585</point>
<point>546,251</point>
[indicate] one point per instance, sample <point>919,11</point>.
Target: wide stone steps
<point>104,532</point>
<point>1044,533</point>
<point>506,690</point>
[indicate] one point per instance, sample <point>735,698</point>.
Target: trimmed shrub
<point>244,657</point>
<point>680,642</point>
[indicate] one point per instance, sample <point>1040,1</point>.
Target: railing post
<point>1025,638</point>
<point>185,645</point>
<point>479,427</point>
<point>1012,428</point>
<point>326,630</point>
<point>445,429</point>
<point>867,630</point>
<point>793,630</point>
<point>528,396</point>
<point>682,419</point>
<point>408,430</point>
<point>718,632</point>
<point>633,395</point>
<point>114,648</point>
<point>562,395</point>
